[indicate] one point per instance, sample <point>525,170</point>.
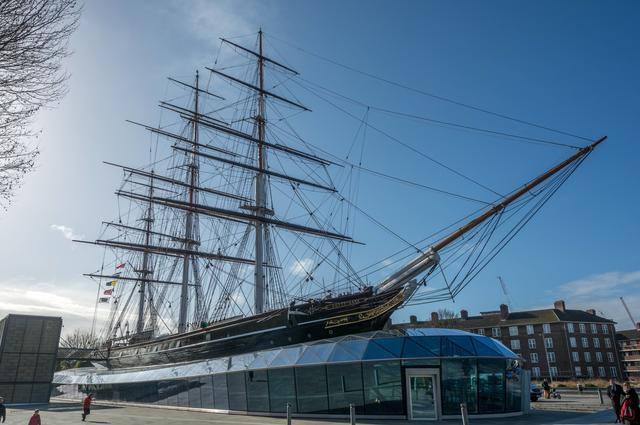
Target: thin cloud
<point>601,284</point>
<point>66,231</point>
<point>302,268</point>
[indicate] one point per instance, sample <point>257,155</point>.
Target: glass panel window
<point>610,357</point>
<point>459,379</point>
<point>534,357</point>
<point>257,391</point>
<point>578,370</point>
<point>602,372</point>
<point>607,342</point>
<point>554,371</point>
<point>282,390</point>
<point>605,328</point>
<point>535,371</point>
<point>383,388</point>
<point>583,328</point>
<point>575,356</point>
<point>590,371</point>
<point>480,331</point>
<point>570,328</point>
<point>532,343</point>
<point>491,385</point>
<point>585,342</point>
<point>572,342</point>
<point>344,382</point>
<point>513,331</point>
<point>237,391</point>
<point>206,392</point>
<point>598,356</point>
<point>548,342</point>
<point>587,357</point>
<point>514,386</point>
<point>596,342</point>
<point>194,393</point>
<point>594,328</point>
<point>311,383</point>
<point>495,332</point>
<point>546,328</point>
<point>614,372</point>
<point>551,357</point>
<point>515,344</point>
<point>529,329</point>
<point>220,395</point>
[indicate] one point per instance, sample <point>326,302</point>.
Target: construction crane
<point>504,291</point>
<point>633,322</point>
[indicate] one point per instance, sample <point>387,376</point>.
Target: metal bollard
<point>288,414</point>
<point>465,413</point>
<point>352,414</point>
<point>600,395</point>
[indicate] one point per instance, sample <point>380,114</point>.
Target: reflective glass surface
<point>282,390</point>
<point>257,391</point>
<point>459,385</point>
<point>220,394</point>
<point>236,390</point>
<point>382,388</point>
<point>206,392</point>
<point>423,397</point>
<point>491,385</point>
<point>344,384</point>
<point>514,386</point>
<point>311,383</point>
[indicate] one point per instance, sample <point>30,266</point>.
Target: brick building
<point>629,346</point>
<point>555,342</point>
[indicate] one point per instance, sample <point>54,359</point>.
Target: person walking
<point>547,389</point>
<point>3,410</point>
<point>86,406</point>
<point>629,409</point>
<point>35,418</point>
<point>615,392</point>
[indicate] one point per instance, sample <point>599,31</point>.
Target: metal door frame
<point>430,372</point>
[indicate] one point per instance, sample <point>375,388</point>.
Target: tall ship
<point>237,237</point>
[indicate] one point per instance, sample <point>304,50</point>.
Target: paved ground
<point>570,410</point>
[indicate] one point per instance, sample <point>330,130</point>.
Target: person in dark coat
<point>615,392</point>
<point>546,388</point>
<point>3,410</point>
<point>86,406</point>
<point>629,409</point>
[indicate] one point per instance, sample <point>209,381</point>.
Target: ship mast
<point>260,188</point>
<point>145,272</point>
<point>188,233</point>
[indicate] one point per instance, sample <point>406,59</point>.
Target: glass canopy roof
<point>380,345</point>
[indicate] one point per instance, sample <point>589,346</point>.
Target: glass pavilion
<point>411,373</point>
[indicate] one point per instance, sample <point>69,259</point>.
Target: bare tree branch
<point>34,37</point>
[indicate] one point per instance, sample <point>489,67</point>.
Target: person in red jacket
<point>35,418</point>
<point>86,406</point>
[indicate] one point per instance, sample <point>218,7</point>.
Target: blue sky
<point>567,65</point>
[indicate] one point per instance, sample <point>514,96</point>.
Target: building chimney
<point>504,311</point>
<point>559,305</point>
<point>434,316</point>
<point>591,311</point>
<point>464,314</point>
<point>413,319</point>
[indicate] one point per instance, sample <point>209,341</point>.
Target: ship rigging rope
<point>426,93</point>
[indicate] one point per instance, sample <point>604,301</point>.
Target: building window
<point>590,371</point>
<point>532,343</point>
<point>515,344</point>
<point>594,328</point>
<point>596,342</point>
<point>529,329</point>
<point>535,371</point>
<point>601,372</point>
<point>599,357</point>
<point>610,357</point>
<point>583,328</point>
<point>513,331</point>
<point>585,342</point>
<point>607,342</point>
<point>578,371</point>
<point>495,332</point>
<point>575,356</point>
<point>534,357</point>
<point>572,342</point>
<point>614,372</point>
<point>546,328</point>
<point>548,342</point>
<point>480,331</point>
<point>587,357</point>
<point>605,328</point>
<point>551,357</point>
<point>554,371</point>
<point>570,328</point>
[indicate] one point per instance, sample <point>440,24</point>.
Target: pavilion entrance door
<point>422,394</point>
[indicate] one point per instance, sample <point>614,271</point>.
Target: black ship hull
<point>338,316</point>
